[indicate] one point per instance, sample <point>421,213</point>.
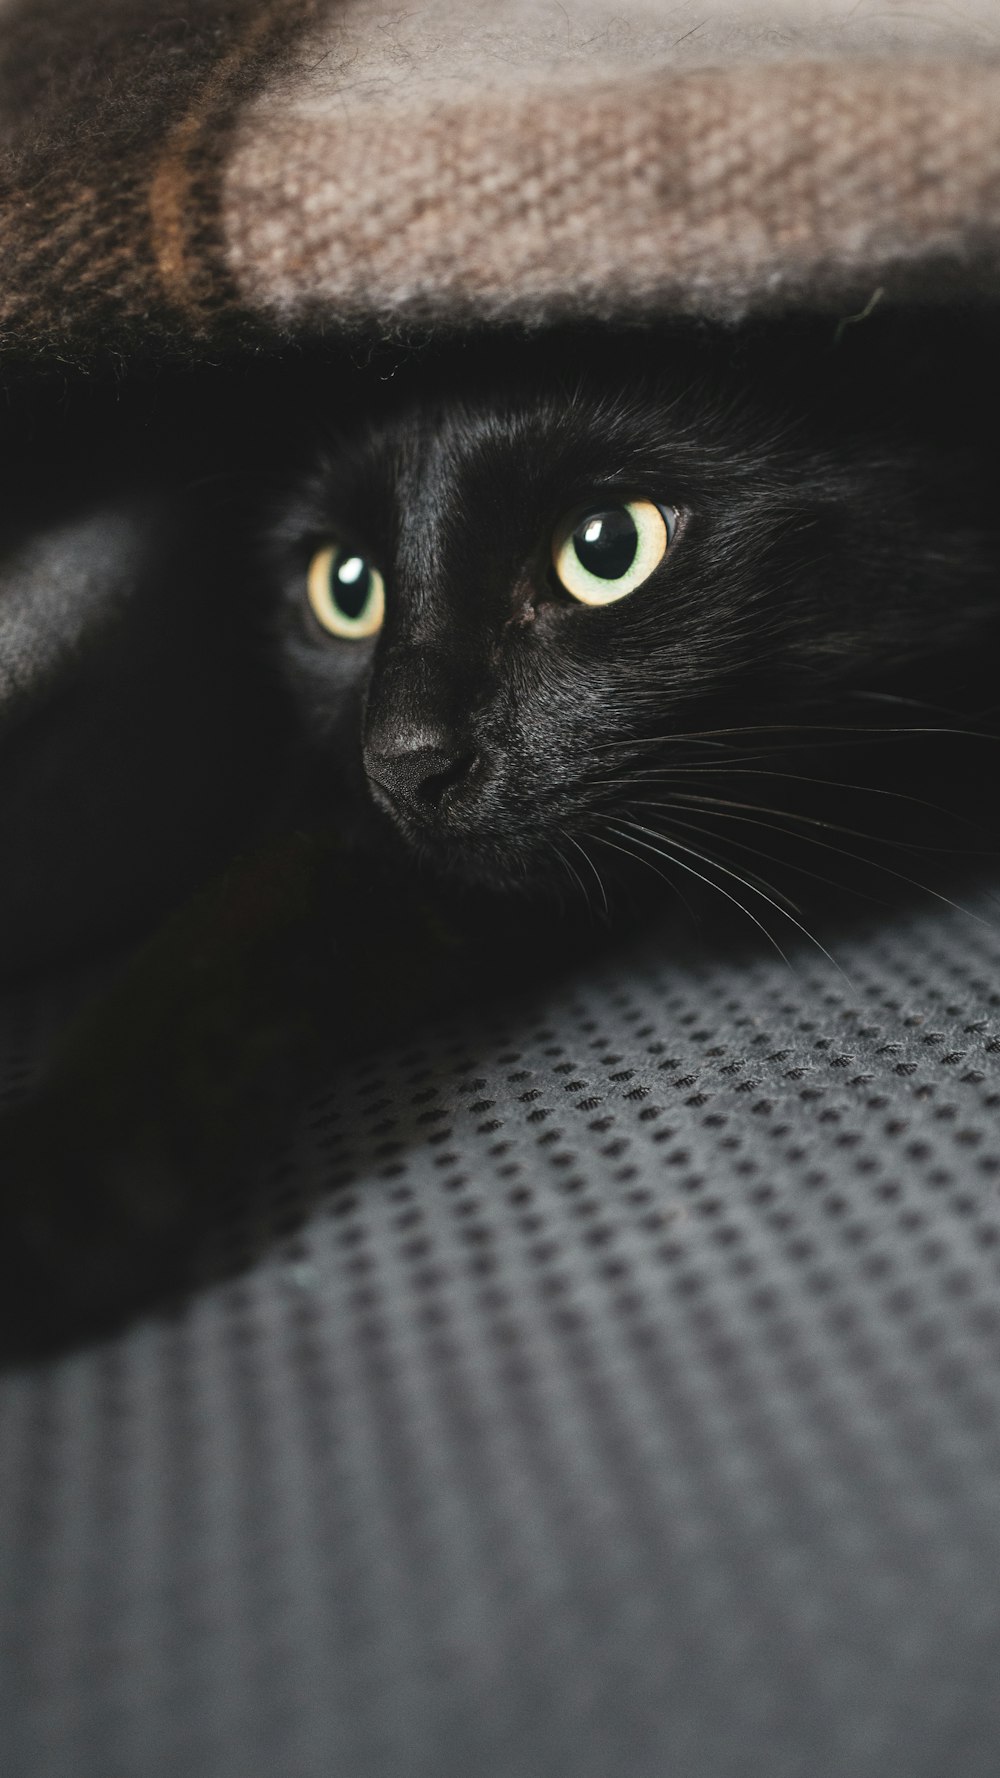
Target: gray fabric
<point>62,585</point>
<point>615,1390</point>
<point>125,755</point>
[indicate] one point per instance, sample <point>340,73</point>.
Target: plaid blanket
<point>185,176</point>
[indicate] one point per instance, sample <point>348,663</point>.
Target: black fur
<point>830,594</point>
<point>838,551</point>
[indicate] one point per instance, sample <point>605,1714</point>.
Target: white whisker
<point>828,845</point>
<point>589,861</point>
<point>747,885</point>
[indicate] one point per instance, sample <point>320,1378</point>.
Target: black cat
<point>589,598</point>
<point>547,616</point>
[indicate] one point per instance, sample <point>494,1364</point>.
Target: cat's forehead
<point>464,480</point>
<point>471,477</point>
<point>495,443</point>
<point>421,441</point>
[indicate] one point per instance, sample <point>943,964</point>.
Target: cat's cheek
<point>327,660</point>
<point>551,614</point>
<point>584,630</point>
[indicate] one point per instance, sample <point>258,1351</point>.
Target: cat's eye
<point>346,593</point>
<point>605,552</point>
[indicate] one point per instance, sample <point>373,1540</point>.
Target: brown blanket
<point>184,174</point>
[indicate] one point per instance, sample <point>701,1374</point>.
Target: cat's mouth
<point>461,824</point>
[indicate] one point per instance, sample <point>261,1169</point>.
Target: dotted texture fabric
<point>615,1389</point>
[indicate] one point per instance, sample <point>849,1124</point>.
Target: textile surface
<point>608,1383</point>
<point>275,164</point>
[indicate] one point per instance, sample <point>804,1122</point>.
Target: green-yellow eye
<point>604,553</point>
<point>346,593</point>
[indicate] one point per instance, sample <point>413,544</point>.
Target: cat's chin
<point>529,867</point>
<point>506,869</point>
<point>530,863</point>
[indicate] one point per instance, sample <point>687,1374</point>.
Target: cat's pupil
<point>606,542</point>
<point>352,584</point>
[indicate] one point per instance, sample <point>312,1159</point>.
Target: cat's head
<point>533,607</point>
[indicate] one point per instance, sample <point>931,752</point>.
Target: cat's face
<point>531,611</point>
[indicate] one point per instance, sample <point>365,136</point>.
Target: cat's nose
<point>416,774</point>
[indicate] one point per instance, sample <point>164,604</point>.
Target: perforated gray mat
<point>618,1392</point>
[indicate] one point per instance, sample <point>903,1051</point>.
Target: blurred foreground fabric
<point>210,172</point>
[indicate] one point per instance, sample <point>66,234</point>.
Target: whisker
<point>757,852</point>
<point>844,851</point>
<point>588,860</point>
<point>855,833</point>
<point>571,872</point>
<point>667,775</point>
<point>893,697</point>
<point>747,885</point>
<point>719,890</point>
<point>688,766</point>
<point>706,833</point>
<point>901,796</point>
<point>636,858</point>
<point>854,732</point>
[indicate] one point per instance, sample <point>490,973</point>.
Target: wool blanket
<point>181,176</point>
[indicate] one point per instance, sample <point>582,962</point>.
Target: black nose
<point>414,774</point>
